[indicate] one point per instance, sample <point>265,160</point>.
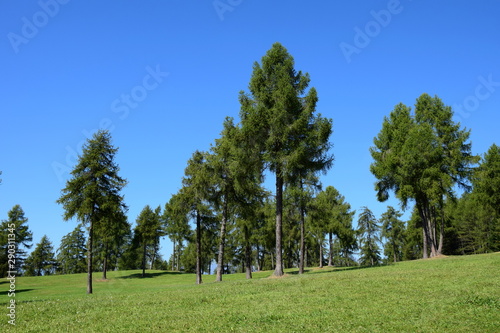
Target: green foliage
<point>92,195</point>
<point>477,224</point>
<point>421,157</point>
<point>486,180</point>
<point>148,230</point>
<point>278,116</point>
<point>41,260</point>
<point>332,215</point>
<point>71,252</point>
<point>368,232</point>
<point>393,229</point>
<point>195,193</point>
<point>412,248</point>
<point>176,222</point>
<point>477,214</point>
<point>15,229</point>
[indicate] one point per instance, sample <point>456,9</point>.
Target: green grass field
<point>451,294</point>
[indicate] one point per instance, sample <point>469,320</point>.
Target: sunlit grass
<point>453,294</point>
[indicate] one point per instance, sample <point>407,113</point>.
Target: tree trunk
<point>105,263</point>
<point>173,256</point>
<point>279,214</point>
<point>248,259</point>
<point>321,255</point>
<point>143,257</point>
<point>302,241</point>
<point>425,250</point>
<point>330,252</point>
<point>425,232</point>
<point>153,259</point>
<point>369,240</point>
<point>198,248</point>
<point>441,237</point>
<point>259,266</point>
<point>178,257</point>
<point>220,259</point>
<point>89,258</point>
<point>394,249</point>
<point>305,255</point>
<point>432,233</point>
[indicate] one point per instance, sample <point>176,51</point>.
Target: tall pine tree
<point>393,229</point>
<point>42,260</point>
<point>71,252</point>
<point>16,229</point>
<point>368,231</point>
<point>194,193</point>
<point>92,195</point>
<point>279,115</point>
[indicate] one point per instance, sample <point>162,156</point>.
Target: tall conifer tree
<point>279,115</point>
<point>92,195</point>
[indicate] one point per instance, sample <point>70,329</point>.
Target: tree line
<point>223,214</point>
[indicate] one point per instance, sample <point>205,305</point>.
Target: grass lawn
<point>450,294</point>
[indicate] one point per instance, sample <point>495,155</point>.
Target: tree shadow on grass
<point>147,275</point>
<point>17,291</point>
<point>334,269</point>
<point>297,272</point>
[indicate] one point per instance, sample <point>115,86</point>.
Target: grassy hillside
<point>452,294</point>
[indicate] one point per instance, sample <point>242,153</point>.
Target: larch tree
<point>422,157</point>
<point>477,214</point>
<point>41,260</point>
<point>222,166</point>
<point>235,170</point>
<point>317,228</point>
<point>486,179</point>
<point>196,182</point>
<point>368,231</point>
<point>176,223</point>
<point>413,243</point>
<point>148,230</point>
<point>333,216</point>
<point>110,235</point>
<point>279,115</point>
<point>300,193</point>
<point>92,195</point>
<point>393,229</point>
<point>15,239</point>
<point>71,252</point>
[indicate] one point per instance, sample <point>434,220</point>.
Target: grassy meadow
<point>449,294</point>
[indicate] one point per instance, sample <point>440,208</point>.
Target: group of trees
<point>223,214</point>
<point>424,157</point>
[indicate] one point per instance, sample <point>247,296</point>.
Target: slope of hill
<point>451,294</point>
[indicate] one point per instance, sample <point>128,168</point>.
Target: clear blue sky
<point>70,67</point>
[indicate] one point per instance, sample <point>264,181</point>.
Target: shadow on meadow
<point>18,291</point>
<point>334,269</point>
<point>147,275</point>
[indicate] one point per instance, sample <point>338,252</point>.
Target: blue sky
<point>163,75</point>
